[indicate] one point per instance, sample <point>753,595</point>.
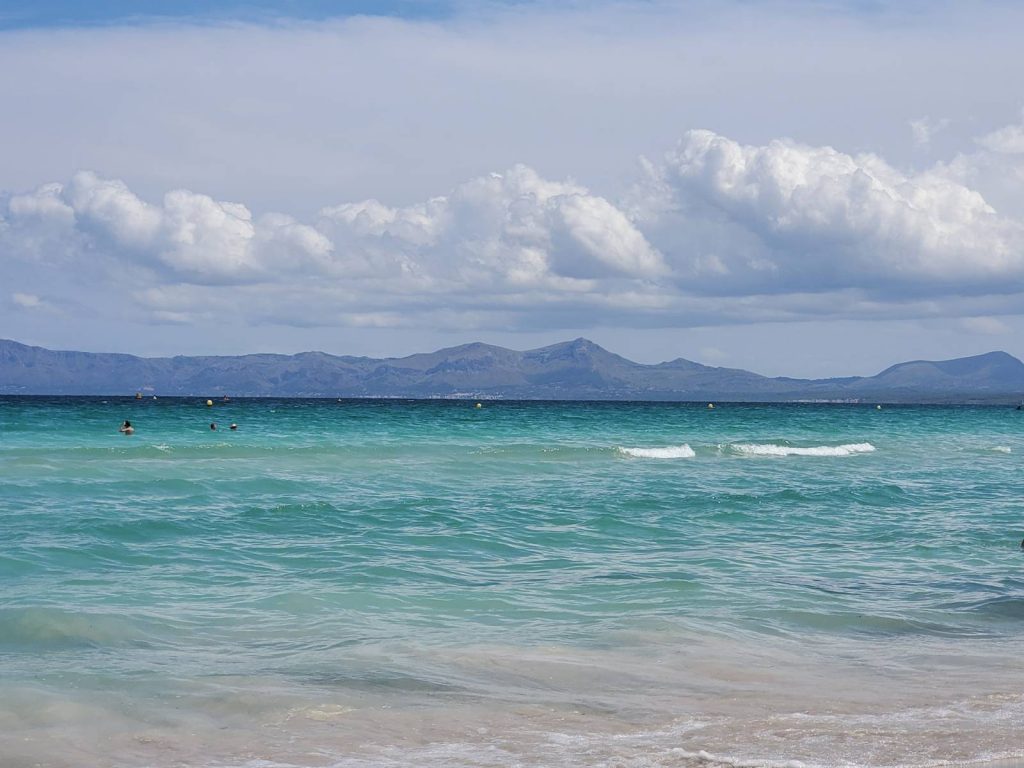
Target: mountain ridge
<point>571,370</point>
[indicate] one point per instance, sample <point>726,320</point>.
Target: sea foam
<point>683,451</point>
<point>772,449</point>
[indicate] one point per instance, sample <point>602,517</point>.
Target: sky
<point>795,188</point>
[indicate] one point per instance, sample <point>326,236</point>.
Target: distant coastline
<point>572,370</point>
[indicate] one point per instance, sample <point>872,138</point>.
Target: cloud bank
<point>714,231</point>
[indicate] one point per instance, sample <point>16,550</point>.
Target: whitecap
<point>772,449</point>
<point>683,451</point>
<point>1002,449</point>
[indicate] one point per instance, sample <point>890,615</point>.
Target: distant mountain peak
<point>579,346</point>
<point>581,349</point>
<point>472,347</point>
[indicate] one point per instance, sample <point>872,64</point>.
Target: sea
<point>398,583</point>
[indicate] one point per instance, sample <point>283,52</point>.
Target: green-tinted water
<point>649,580</point>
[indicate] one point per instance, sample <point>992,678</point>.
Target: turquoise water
<point>429,583</point>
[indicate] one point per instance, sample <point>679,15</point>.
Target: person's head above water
<point>212,425</point>
<point>233,425</point>
<point>126,423</point>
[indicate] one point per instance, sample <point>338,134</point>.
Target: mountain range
<point>572,370</point>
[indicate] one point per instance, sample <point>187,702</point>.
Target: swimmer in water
<point>127,428</point>
<point>233,425</point>
<point>213,426</point>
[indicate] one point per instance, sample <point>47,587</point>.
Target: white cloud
<point>504,231</point>
<point>32,305</point>
<point>924,128</point>
<point>26,300</point>
<point>206,237</point>
<point>1008,140</point>
<point>197,238</point>
<point>995,168</point>
<point>46,204</point>
<point>108,209</point>
<point>715,232</point>
<point>785,216</point>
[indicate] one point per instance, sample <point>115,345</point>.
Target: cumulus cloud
<point>46,205</point>
<point>788,217</point>
<point>714,231</point>
<point>506,230</point>
<point>193,236</point>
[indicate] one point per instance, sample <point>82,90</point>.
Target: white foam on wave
<point>1002,449</point>
<point>683,451</point>
<point>772,449</point>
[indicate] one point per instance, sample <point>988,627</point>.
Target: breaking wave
<point>683,451</point>
<point>772,449</point>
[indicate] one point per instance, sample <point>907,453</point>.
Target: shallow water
<point>427,583</point>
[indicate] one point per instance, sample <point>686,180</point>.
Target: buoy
<point>878,407</point>
<point>711,405</point>
<point>478,405</point>
<point>209,403</point>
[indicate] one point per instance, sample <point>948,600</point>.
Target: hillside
<point>577,369</point>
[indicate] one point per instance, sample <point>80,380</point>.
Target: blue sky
<point>75,13</point>
<point>791,187</point>
<point>71,13</point>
